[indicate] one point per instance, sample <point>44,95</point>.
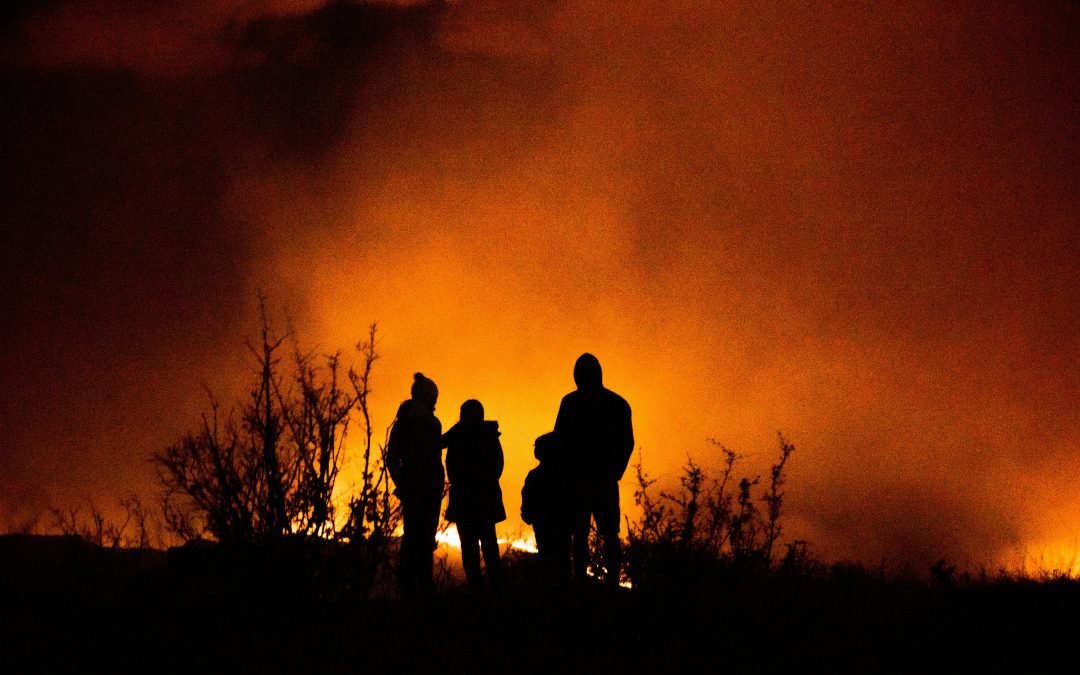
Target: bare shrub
<point>704,523</point>
<point>90,523</point>
<point>269,468</point>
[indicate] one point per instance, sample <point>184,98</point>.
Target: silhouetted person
<point>474,463</point>
<point>594,424</point>
<point>551,502</point>
<point>414,458</point>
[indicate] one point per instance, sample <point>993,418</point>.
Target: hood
<point>587,373</point>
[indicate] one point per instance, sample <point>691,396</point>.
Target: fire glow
<point>855,225</point>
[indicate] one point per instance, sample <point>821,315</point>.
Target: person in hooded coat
<point>414,458</point>
<point>474,463</point>
<point>594,425</point>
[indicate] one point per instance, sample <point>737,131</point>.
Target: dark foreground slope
<point>69,606</point>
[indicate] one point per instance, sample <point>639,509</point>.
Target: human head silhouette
<point>472,411</point>
<point>587,373</point>
<point>545,446</point>
<point>424,390</point>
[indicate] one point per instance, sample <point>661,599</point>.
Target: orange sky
<point>853,224</point>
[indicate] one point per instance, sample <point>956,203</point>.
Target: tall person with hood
<point>595,428</point>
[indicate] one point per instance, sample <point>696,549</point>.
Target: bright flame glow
<point>527,545</point>
<point>1052,558</point>
<point>450,537</point>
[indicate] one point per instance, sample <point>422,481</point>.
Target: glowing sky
<point>853,223</point>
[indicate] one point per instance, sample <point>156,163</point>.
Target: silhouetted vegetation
<point>91,524</point>
<point>280,565</point>
<point>268,469</point>
<point>708,523</point>
<point>709,590</point>
<point>81,606</point>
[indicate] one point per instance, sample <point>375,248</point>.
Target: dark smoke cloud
<point>853,224</point>
<point>125,268</point>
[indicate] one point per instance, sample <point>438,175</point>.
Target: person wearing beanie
<point>414,458</point>
<point>594,427</point>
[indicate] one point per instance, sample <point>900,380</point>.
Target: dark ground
<point>69,606</point>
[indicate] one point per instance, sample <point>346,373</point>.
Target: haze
<point>856,224</point>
